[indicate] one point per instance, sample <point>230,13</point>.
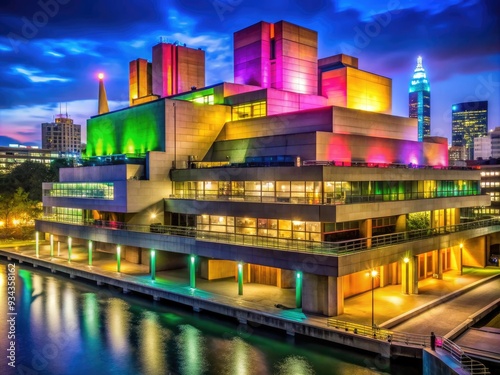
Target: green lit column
<point>51,245</point>
<point>153,264</point>
<point>298,289</point>
<point>69,249</point>
<point>90,252</point>
<point>240,279</point>
<point>37,243</point>
<point>118,259</point>
<point>192,271</point>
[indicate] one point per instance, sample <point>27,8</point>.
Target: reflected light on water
<point>152,341</point>
<point>294,365</point>
<point>190,348</point>
<point>118,322</point>
<point>52,305</point>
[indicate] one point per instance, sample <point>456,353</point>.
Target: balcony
<point>336,249</point>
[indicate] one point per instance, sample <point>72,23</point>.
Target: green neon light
<point>298,290</point>
<point>240,279</point>
<point>192,271</point>
<point>134,130</point>
<point>118,259</point>
<point>153,264</point>
<point>90,253</point>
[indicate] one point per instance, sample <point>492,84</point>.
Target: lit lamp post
<point>373,274</point>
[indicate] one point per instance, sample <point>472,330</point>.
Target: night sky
<point>51,53</point>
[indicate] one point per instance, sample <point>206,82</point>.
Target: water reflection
<point>152,344</point>
<point>191,350</point>
<point>69,327</point>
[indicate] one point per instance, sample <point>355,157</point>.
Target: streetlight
<point>373,274</point>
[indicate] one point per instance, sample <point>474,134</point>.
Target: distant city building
<point>482,147</point>
<point>495,143</point>
<point>456,153</point>
<point>175,69</point>
<point>469,120</point>
<point>420,100</point>
<point>62,135</point>
<point>14,155</point>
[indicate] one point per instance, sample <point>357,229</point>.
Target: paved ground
<point>389,301</point>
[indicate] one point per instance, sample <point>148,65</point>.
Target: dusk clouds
<point>51,50</point>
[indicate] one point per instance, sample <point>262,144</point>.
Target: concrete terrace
<point>474,289</point>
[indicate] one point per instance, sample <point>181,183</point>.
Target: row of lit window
<point>490,173</point>
<point>318,192</point>
<point>71,215</point>
<point>93,190</point>
<point>486,184</point>
<point>249,110</point>
<point>299,230</point>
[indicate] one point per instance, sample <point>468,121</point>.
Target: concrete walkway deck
<point>389,302</point>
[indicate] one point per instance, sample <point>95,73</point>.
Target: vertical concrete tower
<point>103,100</point>
<point>280,55</point>
<point>177,69</point>
<point>140,81</point>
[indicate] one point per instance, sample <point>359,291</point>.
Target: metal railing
<point>468,364</point>
<point>380,333</point>
<point>314,247</point>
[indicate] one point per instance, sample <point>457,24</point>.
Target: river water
<point>64,326</point>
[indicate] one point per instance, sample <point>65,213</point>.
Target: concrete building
<point>482,147</point>
<point>174,69</point>
<point>62,135</point>
<point>468,121</point>
<point>14,155</point>
<point>268,183</point>
<point>420,100</point>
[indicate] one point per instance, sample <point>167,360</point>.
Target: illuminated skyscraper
<point>469,120</point>
<point>420,100</point>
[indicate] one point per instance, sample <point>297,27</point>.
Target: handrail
<point>315,247</point>
<point>380,333</point>
<point>468,364</point>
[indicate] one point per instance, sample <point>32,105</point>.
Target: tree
<point>18,206</point>
<point>29,176</point>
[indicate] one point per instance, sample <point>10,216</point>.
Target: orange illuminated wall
<point>282,55</point>
<point>345,85</point>
<point>177,69</point>
<point>139,80</point>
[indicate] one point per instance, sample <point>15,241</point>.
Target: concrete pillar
<point>90,252</point>
<point>69,249</point>
<point>285,278</point>
<point>37,243</point>
<point>192,271</point>
<point>405,275</point>
<point>152,264</point>
<point>365,231</point>
<point>322,294</point>
<point>51,245</point>
<point>460,258</point>
<point>401,223</point>
<point>413,281</point>
<point>439,269</point>
<point>382,276</point>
